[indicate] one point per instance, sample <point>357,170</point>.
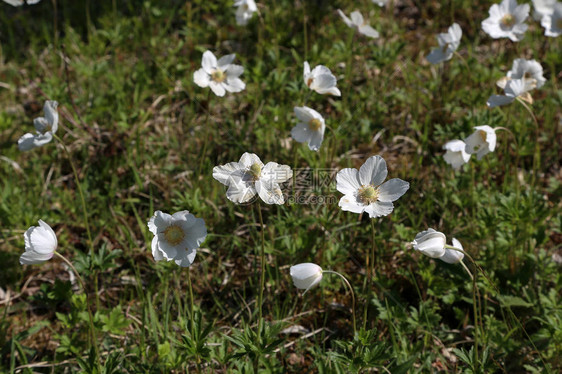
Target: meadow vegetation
<point>145,137</point>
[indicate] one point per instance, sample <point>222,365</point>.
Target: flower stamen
<point>174,235</point>
<point>255,170</point>
<point>368,194</point>
<point>314,124</point>
<point>507,21</point>
<point>218,76</point>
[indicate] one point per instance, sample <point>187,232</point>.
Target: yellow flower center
<point>507,20</point>
<point>255,170</point>
<point>309,81</point>
<point>527,75</point>
<point>483,135</point>
<point>314,124</point>
<point>218,76</point>
<point>174,235</point>
<point>368,194</point>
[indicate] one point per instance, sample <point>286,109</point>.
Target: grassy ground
<point>135,125</point>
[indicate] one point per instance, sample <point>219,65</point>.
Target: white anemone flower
<point>448,44</point>
<point>380,3</point>
<point>524,69</point>
<point>220,75</point>
<point>482,141</point>
<point>543,8</point>
<point>507,20</point>
<point>364,190</point>
<point>20,2</point>
<point>40,244</point>
<point>306,276</point>
<point>456,155</point>
<point>321,80</point>
<point>177,236</point>
<point>553,23</point>
<point>451,256</point>
<point>250,176</point>
<point>310,128</point>
<point>514,89</point>
<point>245,10</point>
<point>431,243</point>
<point>357,22</point>
<point>45,128</point>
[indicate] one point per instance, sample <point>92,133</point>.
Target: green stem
<point>475,311</point>
<point>262,270</point>
<point>537,152</point>
<point>352,296</point>
<point>93,335</point>
<point>370,265</point>
<point>83,201</point>
<point>206,132</point>
<point>190,301</point>
<point>493,285</point>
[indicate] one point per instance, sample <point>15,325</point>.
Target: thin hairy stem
<point>207,133</point>
<point>93,335</point>
<point>352,296</point>
<point>493,285</point>
<point>262,269</point>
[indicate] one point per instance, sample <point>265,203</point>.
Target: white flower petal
<point>350,204</point>
<point>209,62</point>
<point>233,172</point>
<point>201,78</point>
<point>156,252</point>
<point>224,62</point>
<point>499,100</point>
<point>217,88</point>
<point>301,133</point>
<point>347,181</point>
<point>431,243</point>
<point>234,71</point>
<point>234,84</point>
<point>379,209</point>
<point>368,31</point>
<point>305,276</point>
<point>186,258</point>
<point>248,159</point>
<point>275,172</point>
<point>240,192</point>
<point>393,189</point>
<point>269,191</point>
<point>373,171</point>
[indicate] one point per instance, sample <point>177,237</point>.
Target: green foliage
<point>135,124</point>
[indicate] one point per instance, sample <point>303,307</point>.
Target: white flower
<point>177,236</point>
<point>514,89</point>
<point>221,75</point>
<point>448,44</point>
<point>44,126</point>
<point>456,155</point>
<point>321,80</point>
<point>543,8</point>
<point>20,2</point>
<point>524,69</point>
<point>245,10</point>
<point>380,2</point>
<point>552,23</point>
<point>364,190</point>
<point>451,256</point>
<point>40,244</point>
<point>305,276</point>
<point>507,20</point>
<point>357,22</point>
<point>249,176</point>
<point>310,128</point>
<point>431,243</point>
<point>481,142</point>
